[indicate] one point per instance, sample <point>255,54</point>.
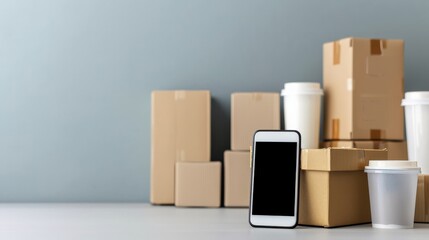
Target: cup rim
<point>411,102</point>
<point>396,165</point>
<point>301,92</point>
<point>416,98</point>
<point>393,171</point>
<point>295,88</point>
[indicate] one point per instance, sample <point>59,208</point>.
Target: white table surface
<point>143,221</point>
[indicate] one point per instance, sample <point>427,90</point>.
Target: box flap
<point>339,159</point>
<point>396,150</point>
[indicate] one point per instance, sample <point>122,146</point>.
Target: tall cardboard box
<point>250,112</point>
<point>180,132</point>
<point>396,150</point>
<point>422,200</point>
<point>237,178</point>
<point>198,184</point>
<point>364,84</point>
<point>334,186</point>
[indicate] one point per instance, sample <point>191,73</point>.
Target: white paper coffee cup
<point>302,103</point>
<point>416,106</point>
<point>392,191</point>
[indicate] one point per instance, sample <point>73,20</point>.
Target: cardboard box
<point>396,150</point>
<point>334,186</point>
<point>422,200</point>
<point>198,184</point>
<point>237,178</point>
<point>180,132</point>
<point>364,84</point>
<point>251,112</point>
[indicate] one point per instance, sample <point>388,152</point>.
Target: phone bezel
<point>268,220</point>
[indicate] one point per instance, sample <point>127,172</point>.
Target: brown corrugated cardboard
<point>198,184</point>
<point>237,178</point>
<point>180,132</point>
<point>250,112</point>
<point>422,200</point>
<point>363,83</point>
<point>396,150</point>
<point>334,187</point>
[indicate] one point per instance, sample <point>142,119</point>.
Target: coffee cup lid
<point>293,88</point>
<point>416,98</point>
<point>392,165</point>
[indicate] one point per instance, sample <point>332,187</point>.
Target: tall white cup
<point>302,103</point>
<point>417,127</point>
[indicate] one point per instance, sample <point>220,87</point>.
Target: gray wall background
<point>76,77</point>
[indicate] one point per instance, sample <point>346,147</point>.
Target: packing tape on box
<point>377,134</point>
<point>377,45</point>
<point>337,53</point>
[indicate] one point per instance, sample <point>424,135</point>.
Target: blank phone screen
<point>274,178</point>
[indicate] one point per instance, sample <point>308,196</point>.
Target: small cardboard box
<point>250,112</point>
<point>237,178</point>
<point>364,84</point>
<point>422,200</point>
<point>334,186</point>
<point>396,150</point>
<point>180,132</point>
<point>198,184</point>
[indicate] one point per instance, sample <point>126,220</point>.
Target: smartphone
<point>274,194</point>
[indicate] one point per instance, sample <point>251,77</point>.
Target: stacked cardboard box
<point>180,133</point>
<point>364,85</point>
<point>237,178</point>
<point>198,184</point>
<point>250,112</point>
<point>363,82</point>
<point>334,186</point>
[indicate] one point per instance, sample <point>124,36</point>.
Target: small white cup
<point>302,103</point>
<point>417,127</point>
<point>392,192</point>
